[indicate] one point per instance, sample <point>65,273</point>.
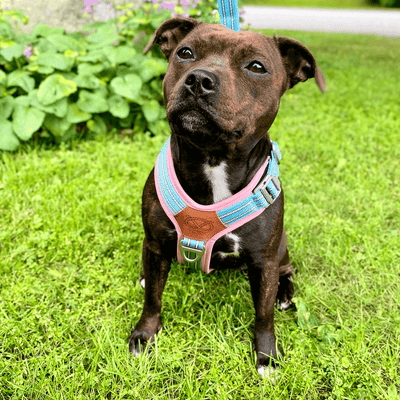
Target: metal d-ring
<point>198,252</point>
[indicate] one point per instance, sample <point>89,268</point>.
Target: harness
<point>198,226</point>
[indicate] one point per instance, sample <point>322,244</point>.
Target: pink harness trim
<point>245,192</point>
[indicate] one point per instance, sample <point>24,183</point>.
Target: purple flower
<point>87,10</point>
<point>27,51</point>
<point>241,13</point>
<point>184,2</point>
<point>170,5</point>
<point>89,3</point>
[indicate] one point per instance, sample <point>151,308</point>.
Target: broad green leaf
<point>328,334</point>
<point>57,126</point>
<point>100,40</point>
<point>101,91</point>
<point>21,79</point>
<point>11,52</point>
<point>93,56</point>
<point>55,87</point>
<point>35,67</point>
<point>22,101</point>
<point>128,86</point>
<point>92,103</point>
<point>64,42</point>
<point>305,319</point>
<point>44,46</point>
<point>75,114</point>
<point>3,78</point>
<point>100,25</point>
<point>8,141</point>
<point>159,127</point>
<point>87,81</point>
<point>118,106</point>
<point>58,61</point>
<point>71,76</point>
<point>119,54</point>
<point>6,29</point>
<point>6,106</point>
<point>151,110</point>
<point>152,67</point>
<point>88,69</point>
<point>45,70</point>
<point>26,121</point>
<point>97,125</point>
<point>44,30</point>
<point>59,107</point>
<point>69,133</point>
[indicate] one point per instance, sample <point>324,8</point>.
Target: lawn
<point>70,258</point>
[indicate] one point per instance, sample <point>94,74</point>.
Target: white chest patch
<point>236,247</point>
<point>219,181</point>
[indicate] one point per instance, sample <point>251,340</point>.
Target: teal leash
<point>229,14</point>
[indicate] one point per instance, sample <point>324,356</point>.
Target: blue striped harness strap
<point>197,226</point>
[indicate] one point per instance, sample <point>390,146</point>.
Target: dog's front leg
<point>156,269</point>
<point>264,278</point>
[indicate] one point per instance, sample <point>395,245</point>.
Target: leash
<point>229,14</point>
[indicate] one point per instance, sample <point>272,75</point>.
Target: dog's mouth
<point>200,125</point>
<point>193,121</point>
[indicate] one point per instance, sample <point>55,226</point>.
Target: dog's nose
<point>202,83</point>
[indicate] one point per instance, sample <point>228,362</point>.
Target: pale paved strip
<point>379,22</point>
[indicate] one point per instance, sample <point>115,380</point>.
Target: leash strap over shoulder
<point>198,226</point>
<point>229,14</point>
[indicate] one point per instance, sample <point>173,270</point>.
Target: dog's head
<point>223,85</point>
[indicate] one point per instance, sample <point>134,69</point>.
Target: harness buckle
<point>191,255</point>
<point>269,194</point>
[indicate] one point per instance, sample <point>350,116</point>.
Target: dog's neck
<point>210,176</point>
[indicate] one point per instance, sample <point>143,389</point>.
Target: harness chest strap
<point>198,226</point>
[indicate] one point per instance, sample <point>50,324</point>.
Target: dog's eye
<point>256,67</point>
<point>185,53</point>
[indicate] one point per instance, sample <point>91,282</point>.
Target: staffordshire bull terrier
<point>222,92</point>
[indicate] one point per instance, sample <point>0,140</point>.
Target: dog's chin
<point>201,129</point>
<point>194,121</point>
<point>195,126</point>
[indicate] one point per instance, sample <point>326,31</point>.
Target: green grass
<point>366,4</point>
<point>70,257</point>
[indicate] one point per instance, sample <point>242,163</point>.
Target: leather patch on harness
<point>201,225</point>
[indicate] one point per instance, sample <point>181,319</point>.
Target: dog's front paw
<point>138,341</point>
<point>268,372</point>
<point>264,345</point>
<point>143,334</point>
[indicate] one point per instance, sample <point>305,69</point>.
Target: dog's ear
<point>299,62</point>
<point>171,32</point>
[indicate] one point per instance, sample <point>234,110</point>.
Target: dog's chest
<point>218,178</point>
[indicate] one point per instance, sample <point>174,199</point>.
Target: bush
<point>387,3</point>
<point>63,86</point>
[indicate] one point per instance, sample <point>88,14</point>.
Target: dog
<point>222,91</point>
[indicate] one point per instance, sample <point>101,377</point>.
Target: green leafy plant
<point>326,333</point>
<point>387,3</point>
<point>60,86</point>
